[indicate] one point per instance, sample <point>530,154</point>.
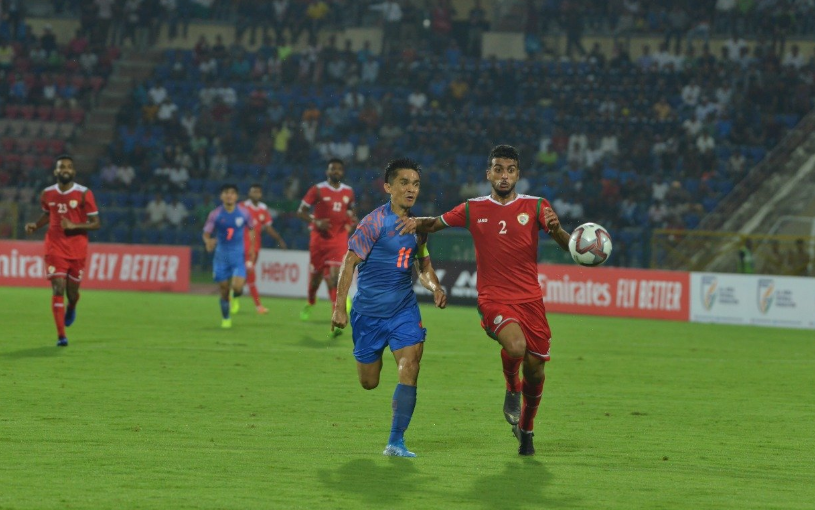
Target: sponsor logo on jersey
<point>523,218</point>
<point>73,204</point>
<point>326,199</point>
<point>482,220</point>
<point>498,319</point>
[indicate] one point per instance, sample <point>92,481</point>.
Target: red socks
<point>532,398</point>
<point>511,368</point>
<point>253,290</point>
<point>58,307</point>
<point>332,294</point>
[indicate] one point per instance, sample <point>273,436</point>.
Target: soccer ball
<point>590,244</point>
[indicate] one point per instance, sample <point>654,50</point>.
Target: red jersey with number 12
<point>76,205</point>
<point>260,218</point>
<point>330,204</point>
<point>506,245</point>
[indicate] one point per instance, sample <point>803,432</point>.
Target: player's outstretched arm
<point>430,281</point>
<point>422,225</point>
<point>32,227</point>
<point>555,229</point>
<point>340,317</point>
<point>274,234</point>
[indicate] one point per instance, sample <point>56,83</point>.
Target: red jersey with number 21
<point>76,205</point>
<point>330,204</point>
<point>506,245</point>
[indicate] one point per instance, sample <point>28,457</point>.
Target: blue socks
<point>404,401</point>
<point>225,308</point>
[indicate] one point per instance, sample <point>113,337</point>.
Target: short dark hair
<point>256,185</point>
<point>337,160</point>
<point>503,151</point>
<point>229,186</point>
<point>399,164</point>
<point>63,156</point>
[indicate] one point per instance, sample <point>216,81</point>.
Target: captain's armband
<point>422,251</point>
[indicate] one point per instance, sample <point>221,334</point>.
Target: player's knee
<point>516,347</point>
<point>369,384</point>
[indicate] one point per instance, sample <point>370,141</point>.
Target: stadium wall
<point>108,266</point>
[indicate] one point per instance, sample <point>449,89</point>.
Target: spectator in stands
<point>736,165</point>
<point>6,55</point>
<point>469,189</point>
<point>746,261</point>
<point>178,177</point>
<point>176,213</point>
<point>798,259</point>
<point>125,174</point>
<point>391,24</point>
<point>157,93</point>
<point>108,174</point>
<point>218,165</point>
<point>156,211</point>
<point>370,70</point>
<point>794,58</point>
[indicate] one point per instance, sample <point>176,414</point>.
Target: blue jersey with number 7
<point>384,283</point>
<point>227,227</point>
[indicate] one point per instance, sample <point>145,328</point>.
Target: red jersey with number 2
<point>332,204</point>
<point>76,205</point>
<point>506,245</point>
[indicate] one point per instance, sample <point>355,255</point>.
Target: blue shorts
<point>228,264</point>
<point>372,334</point>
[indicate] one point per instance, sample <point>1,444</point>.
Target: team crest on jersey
<point>73,204</point>
<point>239,221</point>
<point>345,199</point>
<point>523,218</point>
<point>498,319</point>
<point>261,217</point>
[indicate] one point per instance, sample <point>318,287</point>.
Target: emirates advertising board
<point>107,266</point>
<point>759,300</point>
<point>583,290</point>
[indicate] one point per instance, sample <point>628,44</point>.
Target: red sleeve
<point>311,196</point>
<point>456,217</point>
<point>44,203</point>
<point>541,205</point>
<point>90,203</point>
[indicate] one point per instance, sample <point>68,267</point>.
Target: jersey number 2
<point>404,253</point>
<point>503,227</point>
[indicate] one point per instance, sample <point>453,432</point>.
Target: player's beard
<point>65,178</point>
<point>501,193</point>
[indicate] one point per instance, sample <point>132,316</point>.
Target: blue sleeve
<point>366,234</point>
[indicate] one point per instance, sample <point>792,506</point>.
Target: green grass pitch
<point>153,406</point>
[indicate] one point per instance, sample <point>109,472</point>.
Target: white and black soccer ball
<point>590,244</point>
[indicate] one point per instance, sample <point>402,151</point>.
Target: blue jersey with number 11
<point>384,283</point>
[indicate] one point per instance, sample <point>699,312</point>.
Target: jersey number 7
<point>230,231</point>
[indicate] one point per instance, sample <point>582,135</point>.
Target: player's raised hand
<point>66,224</point>
<point>340,318</point>
<point>30,228</point>
<point>406,225</point>
<point>552,221</point>
<point>322,225</point>
<point>440,298</point>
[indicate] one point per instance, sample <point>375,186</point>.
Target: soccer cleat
<point>305,313</point>
<point>525,445</point>
<point>397,450</point>
<point>226,323</point>
<point>334,334</point>
<point>70,316</point>
<point>512,407</point>
<point>234,305</point>
<point>262,310</point>
<point>62,342</point>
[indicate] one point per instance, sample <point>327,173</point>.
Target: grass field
<point>153,406</point>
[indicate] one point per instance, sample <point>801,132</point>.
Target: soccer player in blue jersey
<point>227,222</point>
<point>385,312</point>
